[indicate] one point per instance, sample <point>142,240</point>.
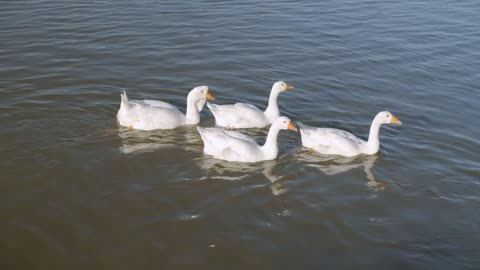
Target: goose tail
<point>210,106</point>
<point>124,98</point>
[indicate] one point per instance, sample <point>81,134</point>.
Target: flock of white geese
<point>229,145</point>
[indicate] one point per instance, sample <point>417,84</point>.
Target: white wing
<point>154,103</point>
<point>149,114</point>
<point>238,115</point>
<point>239,135</point>
<point>330,140</point>
<point>229,145</point>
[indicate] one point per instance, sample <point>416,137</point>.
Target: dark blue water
<point>79,192</point>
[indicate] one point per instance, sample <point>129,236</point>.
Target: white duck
<point>244,115</point>
<point>339,142</point>
<point>235,146</point>
<point>155,114</point>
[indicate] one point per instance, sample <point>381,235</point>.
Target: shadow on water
<point>332,165</point>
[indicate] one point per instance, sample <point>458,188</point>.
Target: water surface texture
<point>79,192</point>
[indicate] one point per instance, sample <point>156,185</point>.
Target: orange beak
<point>395,120</point>
<point>288,86</point>
<point>291,126</point>
<point>209,96</point>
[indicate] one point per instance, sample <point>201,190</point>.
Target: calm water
<point>79,192</point>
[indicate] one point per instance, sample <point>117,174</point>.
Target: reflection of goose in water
<point>141,141</point>
<point>276,186</point>
<point>233,171</point>
<point>332,165</point>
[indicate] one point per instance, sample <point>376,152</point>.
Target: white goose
<point>339,142</point>
<point>155,114</point>
<point>235,146</point>
<point>244,115</point>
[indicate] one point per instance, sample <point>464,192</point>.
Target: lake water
<point>80,192</point>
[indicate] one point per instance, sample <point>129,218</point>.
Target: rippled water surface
<point>79,192</point>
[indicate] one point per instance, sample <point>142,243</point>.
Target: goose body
<point>235,146</point>
<point>332,141</point>
<point>155,114</point>
<point>244,115</point>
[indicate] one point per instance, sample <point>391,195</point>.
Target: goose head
<point>283,122</point>
<point>272,112</point>
<point>199,95</point>
<point>281,86</point>
<point>386,117</point>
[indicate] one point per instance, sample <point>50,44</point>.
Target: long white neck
<point>272,111</point>
<point>192,116</point>
<point>373,144</point>
<point>270,148</point>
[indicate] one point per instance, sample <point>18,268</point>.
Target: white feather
<point>244,115</point>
